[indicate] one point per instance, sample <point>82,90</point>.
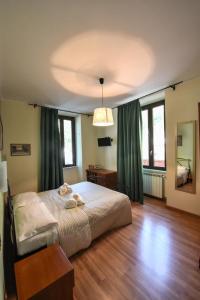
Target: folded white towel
<point>69,189</point>
<point>71,203</point>
<point>78,199</point>
<point>64,189</point>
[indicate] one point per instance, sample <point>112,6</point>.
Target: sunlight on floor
<point>155,247</point>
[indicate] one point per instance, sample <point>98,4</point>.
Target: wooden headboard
<point>186,160</point>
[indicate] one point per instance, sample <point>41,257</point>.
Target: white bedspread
<point>73,224</point>
<point>104,210</point>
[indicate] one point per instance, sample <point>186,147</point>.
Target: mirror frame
<point>194,156</point>
<point>199,124</point>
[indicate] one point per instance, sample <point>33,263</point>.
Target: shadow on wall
<point>120,58</point>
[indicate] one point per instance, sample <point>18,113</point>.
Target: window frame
<point>72,119</point>
<point>149,108</point>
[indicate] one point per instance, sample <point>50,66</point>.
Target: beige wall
<point>107,156</point>
<point>89,144</point>
<point>181,106</point>
<point>21,125</point>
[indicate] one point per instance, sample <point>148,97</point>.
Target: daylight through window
<point>153,136</point>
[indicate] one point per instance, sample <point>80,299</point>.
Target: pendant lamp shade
<point>102,115</point>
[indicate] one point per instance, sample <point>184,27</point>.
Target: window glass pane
<point>67,125</point>
<point>159,136</point>
<point>59,125</point>
<point>145,138</point>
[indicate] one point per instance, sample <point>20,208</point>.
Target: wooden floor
<point>154,258</point>
<point>188,187</point>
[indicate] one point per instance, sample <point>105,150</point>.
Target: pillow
<point>181,170</point>
<point>33,219</point>
<point>23,199</point>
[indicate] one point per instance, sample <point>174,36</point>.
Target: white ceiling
<point>55,51</point>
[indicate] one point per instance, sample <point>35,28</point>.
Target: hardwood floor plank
<point>154,258</point>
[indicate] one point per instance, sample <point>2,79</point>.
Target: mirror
<point>186,157</point>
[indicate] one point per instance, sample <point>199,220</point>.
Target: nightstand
<point>47,274</point>
<point>103,177</point>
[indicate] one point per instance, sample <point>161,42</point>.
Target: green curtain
<point>51,159</point>
<point>129,161</point>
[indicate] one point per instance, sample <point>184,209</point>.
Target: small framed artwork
<point>20,149</point>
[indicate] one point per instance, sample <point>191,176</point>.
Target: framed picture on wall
<point>20,149</point>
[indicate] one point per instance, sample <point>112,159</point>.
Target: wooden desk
<point>102,177</point>
<point>48,274</point>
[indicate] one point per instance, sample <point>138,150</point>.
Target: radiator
<point>153,185</point>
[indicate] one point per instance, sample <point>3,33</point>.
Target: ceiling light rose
<point>102,115</point>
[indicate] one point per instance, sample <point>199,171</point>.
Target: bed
<point>182,175</point>
<point>76,228</point>
<point>183,171</point>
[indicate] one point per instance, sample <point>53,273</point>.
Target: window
<point>153,136</point>
<point>67,133</point>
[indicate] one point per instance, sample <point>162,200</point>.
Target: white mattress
<point>38,241</point>
<point>105,209</point>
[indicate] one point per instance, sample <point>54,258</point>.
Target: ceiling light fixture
<point>102,115</point>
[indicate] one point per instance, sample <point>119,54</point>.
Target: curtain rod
<point>172,86</point>
<point>69,111</point>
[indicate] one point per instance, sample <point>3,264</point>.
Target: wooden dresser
<point>45,275</point>
<point>103,177</point>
